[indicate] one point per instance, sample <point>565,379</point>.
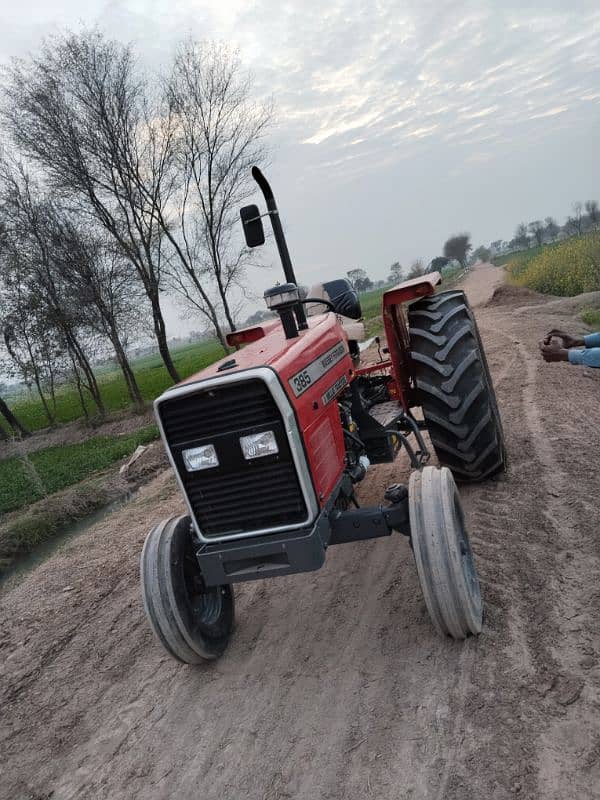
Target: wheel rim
<point>204,604</point>
<point>467,562</point>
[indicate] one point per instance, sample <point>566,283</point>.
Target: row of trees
<point>585,217</point>
<point>113,188</point>
<point>456,248</point>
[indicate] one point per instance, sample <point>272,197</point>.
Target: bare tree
<point>395,275</point>
<point>574,224</point>
<point>220,134</point>
<point>458,247</point>
<point>28,342</point>
<point>417,268</point>
<point>79,110</point>
<point>17,428</point>
<point>537,228</point>
<point>593,212</point>
<point>101,279</point>
<point>29,260</point>
<point>359,279</point>
<point>551,229</point>
<point>521,236</point>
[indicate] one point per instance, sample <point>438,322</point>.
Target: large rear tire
<point>454,386</point>
<point>193,622</point>
<point>443,553</point>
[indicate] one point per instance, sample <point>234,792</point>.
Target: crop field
<point>25,480</point>
<point>565,269</point>
<point>151,375</point>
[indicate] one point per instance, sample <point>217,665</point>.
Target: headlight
<point>197,458</point>
<point>259,444</point>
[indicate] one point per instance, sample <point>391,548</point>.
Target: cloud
<point>389,99</point>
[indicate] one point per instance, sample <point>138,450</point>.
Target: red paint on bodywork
<point>396,328</point>
<point>319,423</point>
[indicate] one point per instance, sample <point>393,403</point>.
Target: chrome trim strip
<point>269,377</point>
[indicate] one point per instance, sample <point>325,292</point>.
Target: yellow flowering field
<point>566,269</point>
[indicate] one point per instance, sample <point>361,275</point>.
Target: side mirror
<point>344,298</point>
<point>253,227</point>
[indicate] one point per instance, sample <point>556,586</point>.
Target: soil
<point>335,685</point>
<point>513,296</point>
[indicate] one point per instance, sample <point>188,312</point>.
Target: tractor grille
<point>238,496</point>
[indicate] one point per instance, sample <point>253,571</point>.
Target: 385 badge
<point>311,373</point>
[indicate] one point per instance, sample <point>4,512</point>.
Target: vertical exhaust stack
<point>251,218</point>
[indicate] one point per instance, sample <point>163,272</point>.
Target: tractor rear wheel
<point>193,622</point>
<point>443,553</point>
<point>454,386</point>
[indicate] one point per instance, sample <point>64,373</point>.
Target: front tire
<point>443,553</point>
<point>454,386</point>
<point>193,622</point>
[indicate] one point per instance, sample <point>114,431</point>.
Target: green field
<point>23,481</point>
<point>151,375</point>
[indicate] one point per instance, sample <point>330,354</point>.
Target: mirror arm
<point>320,301</point>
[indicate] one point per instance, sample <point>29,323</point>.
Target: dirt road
<point>335,685</point>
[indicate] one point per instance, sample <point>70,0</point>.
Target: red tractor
<point>268,444</point>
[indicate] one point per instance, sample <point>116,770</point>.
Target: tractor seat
<point>354,328</point>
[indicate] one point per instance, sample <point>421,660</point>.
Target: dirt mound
<point>506,295</point>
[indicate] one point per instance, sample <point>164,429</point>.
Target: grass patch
<point>566,268</point>
<point>151,375</point>
<point>25,480</point>
<point>591,317</point>
<point>22,534</point>
<point>370,302</point>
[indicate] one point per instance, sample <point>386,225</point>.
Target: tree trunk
<point>78,384</point>
<point>92,384</point>
<point>38,382</point>
<point>14,423</point>
<point>128,374</point>
<point>161,336</point>
<point>47,411</point>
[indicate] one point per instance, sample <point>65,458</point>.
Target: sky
<point>398,123</point>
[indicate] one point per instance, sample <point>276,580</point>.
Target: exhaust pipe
<point>282,247</point>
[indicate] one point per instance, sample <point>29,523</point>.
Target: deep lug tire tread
<point>454,386</point>
<point>443,554</point>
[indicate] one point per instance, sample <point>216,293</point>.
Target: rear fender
<point>396,329</point>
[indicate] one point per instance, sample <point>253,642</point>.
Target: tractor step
<point>386,414</point>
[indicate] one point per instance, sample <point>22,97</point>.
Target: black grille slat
<point>238,496</point>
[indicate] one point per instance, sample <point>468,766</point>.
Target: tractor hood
<point>324,342</point>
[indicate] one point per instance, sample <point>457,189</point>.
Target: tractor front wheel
<point>454,386</point>
<point>193,622</point>
<point>443,553</point>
